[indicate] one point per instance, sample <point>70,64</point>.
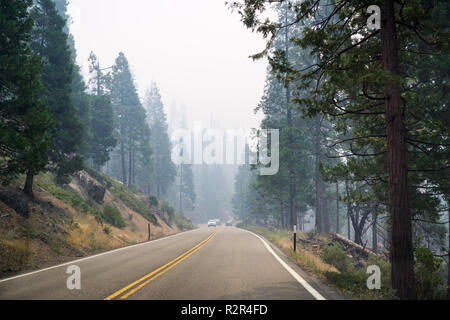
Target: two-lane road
<point>208,263</point>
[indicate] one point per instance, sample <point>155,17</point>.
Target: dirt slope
<point>63,223</point>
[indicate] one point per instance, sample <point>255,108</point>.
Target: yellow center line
<point>129,293</point>
<point>173,263</point>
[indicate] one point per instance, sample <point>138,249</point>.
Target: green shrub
<point>354,282</point>
<point>337,257</point>
<point>385,269</point>
<point>427,274</point>
<point>112,216</point>
<point>165,207</point>
<point>153,201</point>
<point>107,230</point>
<point>68,196</point>
<point>182,223</point>
<point>121,192</point>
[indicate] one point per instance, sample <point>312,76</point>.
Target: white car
<point>212,223</point>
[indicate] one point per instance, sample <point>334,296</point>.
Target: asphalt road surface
<point>204,264</point>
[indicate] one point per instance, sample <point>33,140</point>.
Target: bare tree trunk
<point>28,188</point>
<point>292,186</point>
<point>282,213</point>
<point>317,178</point>
<point>374,232</point>
<point>348,210</point>
<point>337,207</point>
<point>401,236</point>
<point>124,169</point>
<point>133,172</point>
<point>130,167</point>
<point>358,236</point>
<point>325,213</point>
<point>348,227</point>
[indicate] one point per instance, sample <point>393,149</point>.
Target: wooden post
<point>149,232</point>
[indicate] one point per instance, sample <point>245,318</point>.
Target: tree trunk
<point>401,235</point>
<point>374,232</point>
<point>134,167</point>
<point>317,178</point>
<point>292,188</point>
<point>448,252</point>
<point>28,188</point>
<point>124,169</point>
<point>337,207</point>
<point>130,167</point>
<point>349,208</point>
<point>158,184</point>
<point>358,236</point>
<point>282,213</point>
<point>325,215</point>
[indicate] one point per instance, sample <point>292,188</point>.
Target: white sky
<point>196,50</point>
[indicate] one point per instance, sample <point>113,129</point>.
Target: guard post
<point>295,238</point>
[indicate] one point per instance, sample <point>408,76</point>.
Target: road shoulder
<point>325,289</point>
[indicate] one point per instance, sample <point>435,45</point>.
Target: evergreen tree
<point>102,128</point>
<point>102,121</point>
<point>164,169</point>
<point>25,119</point>
<point>80,98</point>
<point>367,80</point>
<point>50,42</point>
<point>132,132</point>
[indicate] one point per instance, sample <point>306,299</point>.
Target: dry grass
<point>306,257</point>
<point>58,231</point>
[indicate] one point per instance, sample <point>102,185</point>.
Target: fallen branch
<point>353,244</point>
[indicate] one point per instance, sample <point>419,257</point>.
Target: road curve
<point>223,263</point>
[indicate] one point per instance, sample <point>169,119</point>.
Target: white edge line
<point>96,255</point>
<point>296,276</point>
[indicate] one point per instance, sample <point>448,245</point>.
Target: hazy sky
<point>196,50</point>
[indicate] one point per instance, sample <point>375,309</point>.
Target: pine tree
<point>364,77</point>
<point>25,119</point>
<point>50,42</point>
<point>102,141</point>
<point>80,98</point>
<point>132,132</point>
<point>164,169</point>
<point>102,128</point>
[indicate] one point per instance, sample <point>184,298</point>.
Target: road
<point>204,264</point>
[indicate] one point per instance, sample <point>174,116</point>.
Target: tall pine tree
<point>49,41</point>
<point>24,119</point>
<point>165,170</point>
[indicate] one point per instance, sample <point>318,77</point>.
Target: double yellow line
<point>142,282</point>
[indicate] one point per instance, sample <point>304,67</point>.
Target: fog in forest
<point>197,53</point>
<point>125,121</point>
